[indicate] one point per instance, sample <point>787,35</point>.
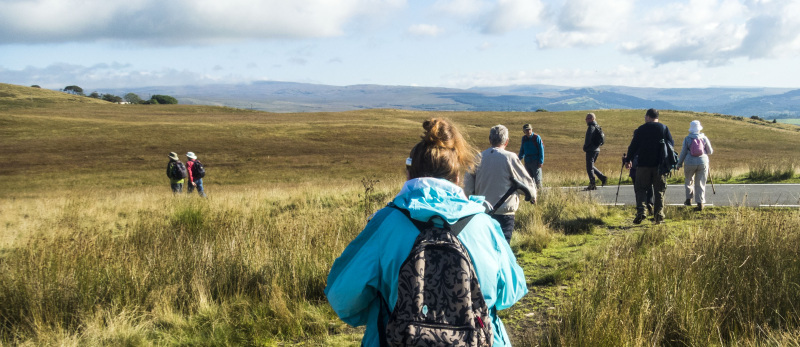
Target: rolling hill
<point>273,96</point>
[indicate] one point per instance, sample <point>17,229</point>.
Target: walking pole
<point>624,155</point>
<point>711,179</point>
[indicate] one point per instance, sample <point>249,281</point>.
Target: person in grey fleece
<point>695,168</point>
<point>496,171</point>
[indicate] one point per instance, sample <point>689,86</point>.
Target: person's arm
<point>633,148</point>
<point>540,143</point>
<point>707,142</point>
<point>522,149</point>
<point>169,172</point>
<point>189,165</point>
<point>669,136</point>
<point>511,285</point>
<point>519,173</point>
<point>469,176</point>
<point>352,285</point>
<point>684,152</point>
<point>587,139</point>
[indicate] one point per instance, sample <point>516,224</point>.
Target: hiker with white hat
<point>695,152</point>
<point>176,173</point>
<point>196,173</point>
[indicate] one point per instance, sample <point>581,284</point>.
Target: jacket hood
<point>426,197</point>
<point>695,135</point>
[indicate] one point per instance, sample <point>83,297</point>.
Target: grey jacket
<point>493,176</point>
<point>689,159</point>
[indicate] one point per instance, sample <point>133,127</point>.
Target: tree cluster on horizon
<point>132,98</point>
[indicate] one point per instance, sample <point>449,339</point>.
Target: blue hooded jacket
<point>371,262</point>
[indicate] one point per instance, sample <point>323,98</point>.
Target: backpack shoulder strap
<point>454,228</point>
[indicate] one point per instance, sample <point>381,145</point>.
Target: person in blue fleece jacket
<point>370,264</point>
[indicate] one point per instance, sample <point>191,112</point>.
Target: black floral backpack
<point>439,300</point>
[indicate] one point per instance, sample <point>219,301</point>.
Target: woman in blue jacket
<point>370,264</point>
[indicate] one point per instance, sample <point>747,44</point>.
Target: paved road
<point>751,195</point>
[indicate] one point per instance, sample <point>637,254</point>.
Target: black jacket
<point>591,142</point>
<point>646,143</point>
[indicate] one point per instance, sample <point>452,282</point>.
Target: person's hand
<point>539,166</point>
<point>678,167</point>
<point>628,165</point>
<point>194,184</point>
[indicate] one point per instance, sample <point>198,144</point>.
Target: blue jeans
<point>199,183</point>
<point>535,172</point>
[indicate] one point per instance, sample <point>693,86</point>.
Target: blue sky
<point>99,44</point>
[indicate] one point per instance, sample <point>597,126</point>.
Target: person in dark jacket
<point>175,181</point>
<point>647,144</point>
<point>531,152</point>
<point>591,145</point>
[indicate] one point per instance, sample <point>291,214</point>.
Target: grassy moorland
<point>94,250</point>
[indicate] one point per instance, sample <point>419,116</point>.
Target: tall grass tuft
<point>717,283</point>
<point>239,267</point>
<point>770,172</point>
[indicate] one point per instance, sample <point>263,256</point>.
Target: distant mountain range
<point>767,103</point>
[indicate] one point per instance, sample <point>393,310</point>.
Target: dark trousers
<point>506,223</point>
<point>535,172</point>
<point>648,193</point>
<point>647,177</point>
<point>591,157</point>
<point>176,187</point>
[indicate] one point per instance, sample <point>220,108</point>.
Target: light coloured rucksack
<point>439,301</point>
<point>697,147</point>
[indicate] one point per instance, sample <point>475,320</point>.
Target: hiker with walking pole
<point>694,153</point>
<point>649,143</point>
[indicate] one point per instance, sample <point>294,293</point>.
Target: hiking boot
<point>639,218</point>
<point>603,181</point>
<point>649,209</point>
<point>688,202</point>
<point>699,206</point>
<point>591,186</point>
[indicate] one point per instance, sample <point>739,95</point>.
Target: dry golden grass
<point>95,250</point>
<point>89,144</point>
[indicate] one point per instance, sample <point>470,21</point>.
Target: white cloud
<point>113,75</point>
<point>620,75</point>
<point>587,23</point>
<point>508,15</point>
<point>463,9</point>
<point>714,32</point>
<point>427,30</point>
<point>178,21</point>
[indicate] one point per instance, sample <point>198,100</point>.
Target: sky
<point>99,44</point>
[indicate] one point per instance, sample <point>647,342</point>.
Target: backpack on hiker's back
<point>697,147</point>
<point>601,136</point>
<point>198,170</point>
<point>177,171</point>
<point>439,301</point>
